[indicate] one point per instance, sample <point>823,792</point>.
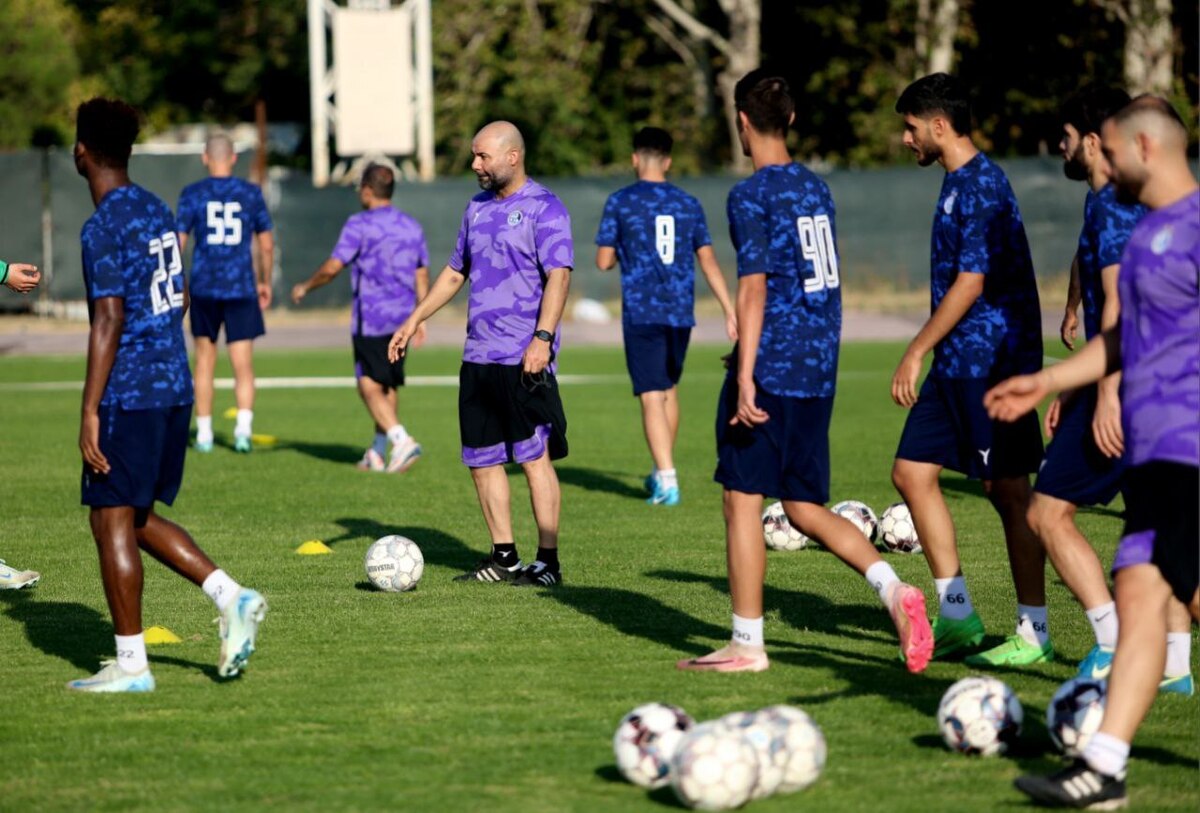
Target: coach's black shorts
<point>242,318</point>
<point>146,449</point>
<point>1075,470</point>
<point>508,416</point>
<point>654,355</point>
<point>371,360</point>
<point>949,426</point>
<point>1162,524</point>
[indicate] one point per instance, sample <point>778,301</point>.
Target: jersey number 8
<point>816,244</point>
<point>664,238</point>
<point>163,294</point>
<point>224,227</point>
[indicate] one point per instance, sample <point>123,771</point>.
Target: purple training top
<point>507,248</point>
<point>384,248</point>
<point>1159,288</point>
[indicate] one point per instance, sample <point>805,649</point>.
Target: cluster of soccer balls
<point>394,564</point>
<point>982,715</point>
<point>893,532</point>
<point>723,763</point>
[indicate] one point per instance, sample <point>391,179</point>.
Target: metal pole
<point>317,93</point>
<point>424,64</point>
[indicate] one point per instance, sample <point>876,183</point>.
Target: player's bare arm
<point>323,276</point>
<point>1106,421</point>
<point>606,258</point>
<point>19,277</point>
<point>448,283</point>
<point>1020,394</point>
<point>967,288</point>
<point>266,265</point>
<point>716,283</point>
<point>421,279</point>
<point>554,299</point>
<point>1070,324</point>
<point>108,320</point>
<point>751,302</point>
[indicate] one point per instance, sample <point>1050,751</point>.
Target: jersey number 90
<point>224,227</point>
<point>163,293</point>
<point>817,246</point>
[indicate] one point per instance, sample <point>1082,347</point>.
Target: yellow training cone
<point>230,414</point>
<point>313,547</point>
<point>263,440</point>
<point>161,635</point>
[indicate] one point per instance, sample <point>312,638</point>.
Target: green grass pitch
<point>483,697</point>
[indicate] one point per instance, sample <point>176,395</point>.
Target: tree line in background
<point>580,76</point>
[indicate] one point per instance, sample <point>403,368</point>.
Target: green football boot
<point>950,634</point>
<point>1015,651</point>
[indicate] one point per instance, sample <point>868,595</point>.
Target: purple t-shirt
<point>384,248</point>
<point>1159,288</point>
<point>507,248</point>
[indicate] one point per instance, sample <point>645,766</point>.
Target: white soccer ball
<point>897,531</point>
<point>714,768</point>
<point>645,741</point>
<point>803,745</point>
<point>1074,714</point>
<point>778,533</point>
<point>980,715</point>
<point>861,515</point>
<point>394,564</point>
<point>768,740</point>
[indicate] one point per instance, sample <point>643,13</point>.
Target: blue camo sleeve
<point>747,230</point>
<point>1114,235</point>
<point>610,224</point>
<point>700,235</point>
<point>262,217</point>
<point>980,231</point>
<point>102,264</point>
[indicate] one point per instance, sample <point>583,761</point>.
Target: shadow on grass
<point>438,547</point>
<point>73,632</point>
<point>333,452</point>
<point>595,480</point>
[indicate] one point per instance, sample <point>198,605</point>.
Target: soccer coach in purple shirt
<point>515,250</point>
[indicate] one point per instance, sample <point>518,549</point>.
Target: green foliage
<point>37,69</point>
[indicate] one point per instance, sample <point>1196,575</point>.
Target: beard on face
<point>489,181</point>
<point>1073,166</point>
<point>926,156</point>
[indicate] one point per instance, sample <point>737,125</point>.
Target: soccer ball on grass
<point>778,533</point>
<point>714,768</point>
<point>1074,714</point>
<point>394,564</point>
<point>897,531</point>
<point>980,715</point>
<point>645,741</point>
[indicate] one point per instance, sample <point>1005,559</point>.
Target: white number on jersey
<point>224,227</point>
<point>816,244</point>
<point>664,238</point>
<point>163,293</point>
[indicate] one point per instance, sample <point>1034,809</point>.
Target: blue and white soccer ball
<point>980,715</point>
<point>1075,713</point>
<point>778,533</point>
<point>645,741</point>
<point>897,531</point>
<point>394,564</point>
<point>861,515</point>
<point>714,768</point>
<point>790,747</point>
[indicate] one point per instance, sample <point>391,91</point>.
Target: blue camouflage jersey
<point>130,250</point>
<point>781,221</point>
<point>977,229</point>
<point>223,213</point>
<point>656,229</point>
<point>1107,224</point>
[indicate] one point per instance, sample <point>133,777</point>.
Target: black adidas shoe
<point>538,574</point>
<point>487,570</point>
<point>1077,786</point>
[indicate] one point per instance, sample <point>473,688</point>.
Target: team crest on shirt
<point>1162,240</point>
<point>514,218</point>
<point>948,206</point>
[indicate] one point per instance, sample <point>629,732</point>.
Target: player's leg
<point>206,362</point>
<point>1177,674</point>
<point>545,497</point>
<point>657,426</point>
<point>383,413</point>
<point>673,344</point>
<point>503,564</point>
<point>671,408</point>
<point>241,357</point>
<point>379,381</point>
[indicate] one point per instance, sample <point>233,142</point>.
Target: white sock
<point>747,631</point>
<point>1106,754</point>
<point>881,577</point>
<point>397,435</point>
<point>131,653</point>
<point>667,478</point>
<point>204,429</point>
<point>954,602</point>
<point>1104,624</point>
<point>1032,624</point>
<point>220,588</point>
<point>245,417</point>
<point>1179,654</point>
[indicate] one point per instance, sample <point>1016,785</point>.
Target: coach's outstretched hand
<point>1011,399</point>
<point>22,277</point>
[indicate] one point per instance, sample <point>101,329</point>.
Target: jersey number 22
<point>163,293</point>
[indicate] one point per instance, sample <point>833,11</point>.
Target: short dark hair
<point>1149,103</point>
<point>108,128</point>
<point>653,141</point>
<point>380,180</point>
<point>938,94</point>
<point>1087,109</point>
<point>763,95</point>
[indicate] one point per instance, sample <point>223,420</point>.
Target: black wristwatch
<point>544,335</point>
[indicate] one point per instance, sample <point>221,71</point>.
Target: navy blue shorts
<point>654,355</point>
<point>242,318</point>
<point>786,457</point>
<point>948,426</point>
<point>1075,470</point>
<point>145,448</point>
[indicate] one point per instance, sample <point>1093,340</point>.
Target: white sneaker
<point>238,629</point>
<point>112,678</point>
<point>371,461</point>
<point>403,456</point>
<point>13,579</point>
